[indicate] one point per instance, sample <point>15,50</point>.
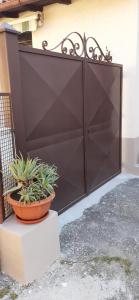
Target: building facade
<point>114,24</point>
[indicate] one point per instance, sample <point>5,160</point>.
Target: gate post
<point>11,79</point>
<point>10,110</point>
<point>4,89</point>
<point>4,73</point>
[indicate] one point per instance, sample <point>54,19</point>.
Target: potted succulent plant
<point>33,193</point>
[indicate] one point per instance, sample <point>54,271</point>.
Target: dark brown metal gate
<point>67,111</point>
<point>103,122</point>
<point>52,99</point>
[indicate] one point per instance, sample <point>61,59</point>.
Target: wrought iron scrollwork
<point>76,45</point>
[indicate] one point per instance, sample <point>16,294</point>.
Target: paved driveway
<point>100,253</point>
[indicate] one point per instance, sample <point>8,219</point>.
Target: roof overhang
<point>12,8</point>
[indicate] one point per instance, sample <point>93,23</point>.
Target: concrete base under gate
<point>28,250</point>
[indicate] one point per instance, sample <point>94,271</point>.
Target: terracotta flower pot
<point>31,213</point>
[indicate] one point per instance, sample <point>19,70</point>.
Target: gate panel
<point>103,117</point>
<point>53,118</point>
<point>67,110</point>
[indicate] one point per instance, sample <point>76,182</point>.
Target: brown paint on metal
<point>11,41</point>
<point>67,111</point>
<point>54,131</point>
<point>103,100</point>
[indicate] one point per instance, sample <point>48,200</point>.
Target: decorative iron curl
<point>84,47</point>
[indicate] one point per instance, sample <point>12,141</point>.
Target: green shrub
<point>34,179</point>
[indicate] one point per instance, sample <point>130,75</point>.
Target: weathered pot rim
<point>11,201</point>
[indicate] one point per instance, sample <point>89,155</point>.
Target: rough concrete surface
<point>100,254</point>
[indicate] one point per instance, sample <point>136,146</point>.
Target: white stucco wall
<point>113,23</point>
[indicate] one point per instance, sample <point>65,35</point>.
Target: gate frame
<point>10,39</point>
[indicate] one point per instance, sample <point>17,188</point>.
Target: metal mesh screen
<point>7,148</point>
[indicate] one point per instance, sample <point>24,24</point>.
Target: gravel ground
<point>100,254</point>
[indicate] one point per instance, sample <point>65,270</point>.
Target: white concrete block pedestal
<point>27,251</point>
